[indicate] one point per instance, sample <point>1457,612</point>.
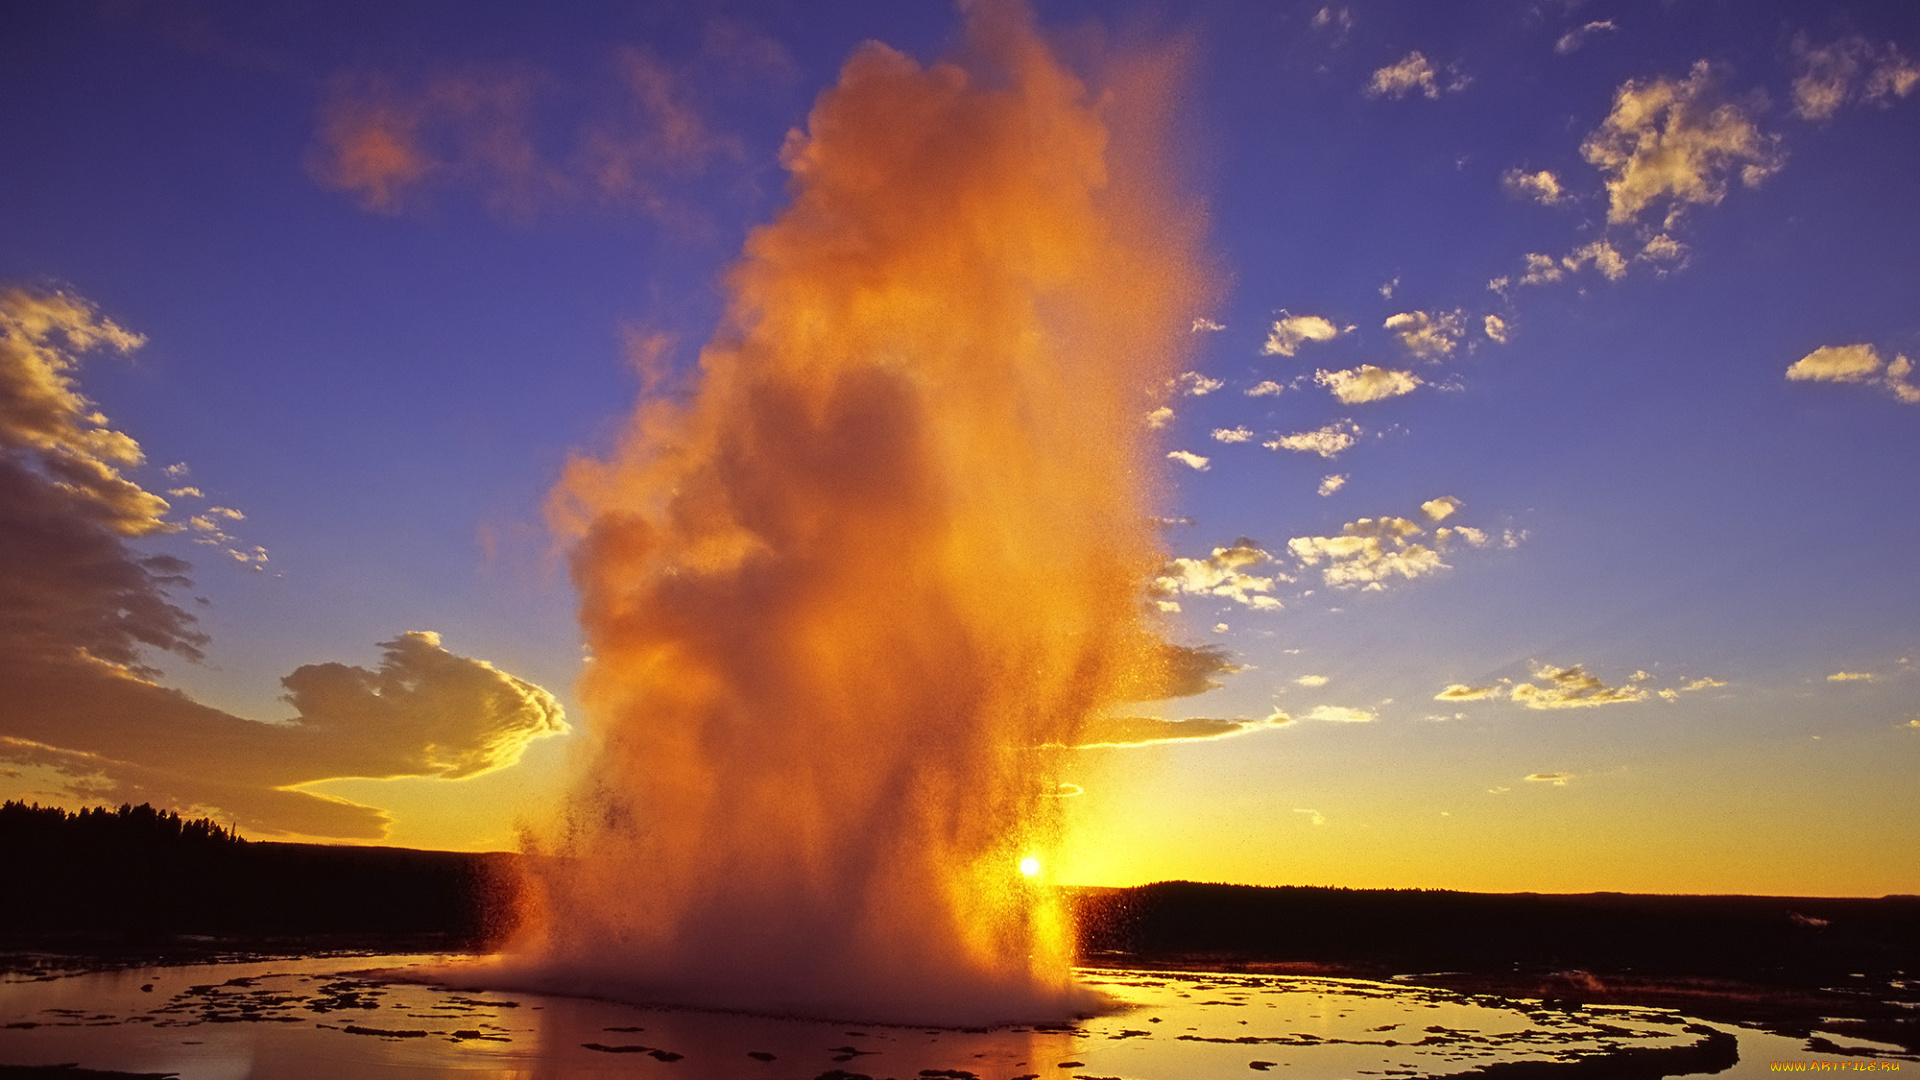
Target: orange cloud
<point>528,140</point>
<point>370,149</point>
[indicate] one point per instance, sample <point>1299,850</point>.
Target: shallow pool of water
<point>329,1017</point>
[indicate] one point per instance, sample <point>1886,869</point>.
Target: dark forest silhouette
<point>140,876</point>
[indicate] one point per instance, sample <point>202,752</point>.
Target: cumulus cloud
<point>1837,363</point>
<point>1571,688</point>
<point>1427,335</point>
<point>50,429</point>
<point>1604,256</point>
<point>1850,69</point>
<point>1127,731</point>
<point>1678,140</point>
<point>1664,252</point>
<point>1857,364</point>
<point>1369,552</point>
<point>1571,41</point>
<point>423,712</point>
<point>1850,676</point>
<point>1496,329</point>
<point>1541,270</point>
<point>1332,483</point>
<point>1160,417</point>
<point>1367,383</point>
<point>1194,384</point>
<point>1463,692</point>
<point>1542,187</point>
<point>1224,573</point>
<point>1412,72</point>
<point>1292,331</point>
<point>1232,435</point>
<point>1312,680</point>
<point>1329,442</point>
<point>83,613</point>
<point>1372,551</point>
<point>1190,460</point>
<point>1207,325</point>
<point>1265,388</point>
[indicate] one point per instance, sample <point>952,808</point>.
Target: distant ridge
<point>1761,937</point>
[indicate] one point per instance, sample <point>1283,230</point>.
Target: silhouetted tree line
<point>140,876</point>
<point>1791,939</point>
<point>141,824</point>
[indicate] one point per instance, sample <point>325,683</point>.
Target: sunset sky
<point>1542,482</point>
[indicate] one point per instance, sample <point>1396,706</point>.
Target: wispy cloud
<point>1463,692</point>
<point>1850,69</point>
<point>387,141</point>
<point>1342,714</point>
<point>1553,779</point>
<point>1571,41</point>
<point>1119,732</point>
<point>1190,459</point>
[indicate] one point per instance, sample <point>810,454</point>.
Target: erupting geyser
<point>843,595</point>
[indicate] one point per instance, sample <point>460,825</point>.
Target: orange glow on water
<point>890,544</point>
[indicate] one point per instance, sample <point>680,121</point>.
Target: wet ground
<point>361,1016</point>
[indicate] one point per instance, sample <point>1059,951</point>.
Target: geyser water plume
<point>888,548</point>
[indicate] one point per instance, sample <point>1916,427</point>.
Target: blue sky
<point>385,372</point>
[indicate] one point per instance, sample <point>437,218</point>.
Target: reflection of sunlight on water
<point>329,1017</point>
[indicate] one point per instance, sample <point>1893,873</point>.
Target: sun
<point>1030,866</point>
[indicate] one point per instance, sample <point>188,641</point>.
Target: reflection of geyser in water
<point>891,544</point>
